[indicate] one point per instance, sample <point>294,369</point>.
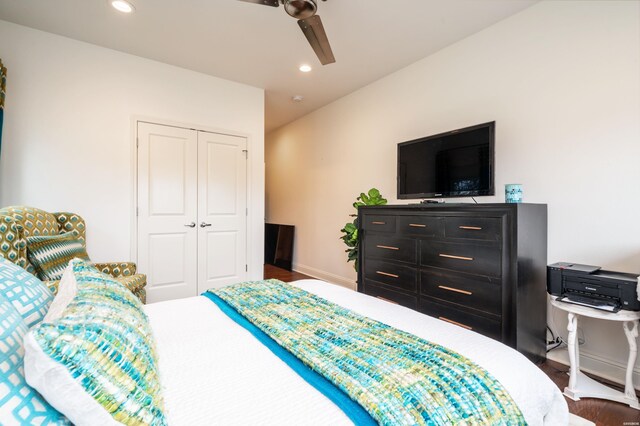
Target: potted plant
<point>350,230</point>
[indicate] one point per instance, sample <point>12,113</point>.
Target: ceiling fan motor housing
<point>301,9</point>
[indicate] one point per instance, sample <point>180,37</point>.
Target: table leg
<point>631,331</point>
<point>574,356</point>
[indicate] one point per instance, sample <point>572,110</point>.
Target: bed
<point>215,372</point>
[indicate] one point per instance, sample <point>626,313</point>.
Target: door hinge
<point>246,268</point>
<point>246,153</point>
<point>137,142</point>
<point>137,211</point>
<point>246,211</point>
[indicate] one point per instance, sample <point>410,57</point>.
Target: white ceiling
<point>263,47</point>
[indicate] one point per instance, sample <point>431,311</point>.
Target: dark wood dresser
<point>479,266</point>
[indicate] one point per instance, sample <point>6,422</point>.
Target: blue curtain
<point>3,86</point>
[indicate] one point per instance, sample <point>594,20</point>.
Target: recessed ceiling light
<point>297,98</point>
<point>122,6</point>
<point>305,68</point>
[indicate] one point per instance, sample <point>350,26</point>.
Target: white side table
<point>579,384</point>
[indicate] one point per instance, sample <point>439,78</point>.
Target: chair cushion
<point>97,363</point>
<point>20,404</point>
<point>51,254</point>
<point>29,296</point>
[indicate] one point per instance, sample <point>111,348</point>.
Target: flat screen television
<point>453,164</point>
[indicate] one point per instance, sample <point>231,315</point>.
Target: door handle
<point>191,225</point>
<point>204,225</point>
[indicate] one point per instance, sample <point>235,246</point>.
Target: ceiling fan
<point>309,22</point>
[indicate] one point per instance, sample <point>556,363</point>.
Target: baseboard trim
<point>325,276</point>
<point>598,366</point>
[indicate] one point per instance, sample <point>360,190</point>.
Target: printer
<point>591,286</point>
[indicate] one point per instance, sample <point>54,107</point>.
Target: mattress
<point>215,372</point>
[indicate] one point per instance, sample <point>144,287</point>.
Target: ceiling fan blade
<point>314,32</point>
<point>274,3</point>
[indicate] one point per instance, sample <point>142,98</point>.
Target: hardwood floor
<point>271,271</point>
<point>601,412</point>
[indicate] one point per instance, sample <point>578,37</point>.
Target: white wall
<point>562,82</point>
<point>67,138</point>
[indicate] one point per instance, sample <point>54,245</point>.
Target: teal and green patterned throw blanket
<point>394,376</point>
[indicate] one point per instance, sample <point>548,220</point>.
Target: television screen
<point>452,164</point>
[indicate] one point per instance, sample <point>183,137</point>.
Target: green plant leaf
<point>374,193</point>
<point>350,230</point>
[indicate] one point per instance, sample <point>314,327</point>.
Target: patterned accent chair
<point>19,222</point>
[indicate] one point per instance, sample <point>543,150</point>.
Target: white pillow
<point>67,290</point>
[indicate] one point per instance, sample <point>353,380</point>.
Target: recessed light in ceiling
<point>297,98</point>
<point>122,6</point>
<point>305,68</point>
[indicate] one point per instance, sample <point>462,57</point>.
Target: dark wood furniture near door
<point>479,266</point>
<point>278,245</point>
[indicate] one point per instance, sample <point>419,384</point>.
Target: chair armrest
<point>117,269</point>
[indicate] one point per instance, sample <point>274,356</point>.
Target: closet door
<point>222,210</point>
<point>167,210</point>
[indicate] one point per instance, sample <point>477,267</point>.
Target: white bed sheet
<point>214,372</point>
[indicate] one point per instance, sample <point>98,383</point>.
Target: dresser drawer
<point>473,228</point>
<point>379,223</point>
<point>422,226</point>
<point>479,293</point>
<point>470,258</point>
<point>390,296</point>
<point>381,247</point>
<point>462,318</point>
<point>391,274</point>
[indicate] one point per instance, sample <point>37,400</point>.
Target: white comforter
<point>215,373</point>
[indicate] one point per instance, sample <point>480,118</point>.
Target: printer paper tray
<point>601,307</point>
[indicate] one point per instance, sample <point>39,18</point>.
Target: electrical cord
<point>558,341</point>
<point>553,336</point>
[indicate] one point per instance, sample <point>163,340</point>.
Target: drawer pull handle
<point>450,256</point>
<point>455,323</point>
<point>417,225</point>
<point>387,300</point>
<point>457,290</point>
<point>378,223</point>
<point>471,228</point>
<point>388,247</point>
<point>386,274</point>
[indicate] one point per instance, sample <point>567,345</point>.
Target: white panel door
<point>167,210</point>
<point>222,210</point>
